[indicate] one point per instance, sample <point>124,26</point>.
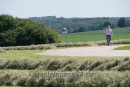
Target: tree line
<point>74,24</point>
<point>16,31</point>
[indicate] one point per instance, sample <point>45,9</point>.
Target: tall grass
<point>123,48</point>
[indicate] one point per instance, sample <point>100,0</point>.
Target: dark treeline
<point>71,24</point>
<point>15,31</point>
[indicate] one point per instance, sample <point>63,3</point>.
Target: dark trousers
<point>108,39</point>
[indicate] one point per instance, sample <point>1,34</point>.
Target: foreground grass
<point>104,71</point>
<point>123,48</point>
<point>99,79</point>
<point>119,33</point>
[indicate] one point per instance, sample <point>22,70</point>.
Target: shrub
<point>16,31</point>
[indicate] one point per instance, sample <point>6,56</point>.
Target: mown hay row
<point>2,51</point>
<point>119,64</point>
<point>75,44</point>
<point>55,45</point>
<point>120,41</point>
<point>30,47</point>
<point>99,79</point>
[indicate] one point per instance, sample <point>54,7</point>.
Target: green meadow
<point>118,33</point>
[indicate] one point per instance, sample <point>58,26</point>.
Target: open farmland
<point>21,67</point>
<point>61,43</point>
<point>118,33</point>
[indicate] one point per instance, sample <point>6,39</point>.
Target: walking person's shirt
<point>108,31</point>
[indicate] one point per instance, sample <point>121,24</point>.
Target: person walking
<point>108,34</point>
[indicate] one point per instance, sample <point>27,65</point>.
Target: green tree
<point>101,26</point>
<point>8,38</point>
<point>76,30</point>
<point>128,23</point>
<point>81,29</point>
<point>7,22</point>
<point>106,23</point>
<point>15,31</point>
<point>90,24</point>
<point>121,23</point>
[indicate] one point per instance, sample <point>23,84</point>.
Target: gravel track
<point>105,51</point>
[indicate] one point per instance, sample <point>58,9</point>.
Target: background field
<point>118,33</point>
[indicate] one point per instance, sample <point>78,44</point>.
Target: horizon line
<point>65,17</point>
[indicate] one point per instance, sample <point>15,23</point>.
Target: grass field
<point>118,33</point>
<point>17,62</point>
<point>123,48</point>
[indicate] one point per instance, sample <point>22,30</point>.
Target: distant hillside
<point>89,24</point>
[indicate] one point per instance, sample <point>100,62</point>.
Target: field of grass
<point>123,48</point>
<point>17,62</point>
<point>118,33</point>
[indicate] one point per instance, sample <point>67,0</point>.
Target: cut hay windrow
<point>66,79</point>
<point>56,45</point>
<point>119,64</point>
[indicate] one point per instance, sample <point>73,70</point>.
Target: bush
<point>15,32</point>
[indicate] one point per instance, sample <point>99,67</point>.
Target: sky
<point>65,8</point>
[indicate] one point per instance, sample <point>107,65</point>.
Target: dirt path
<point>105,51</point>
